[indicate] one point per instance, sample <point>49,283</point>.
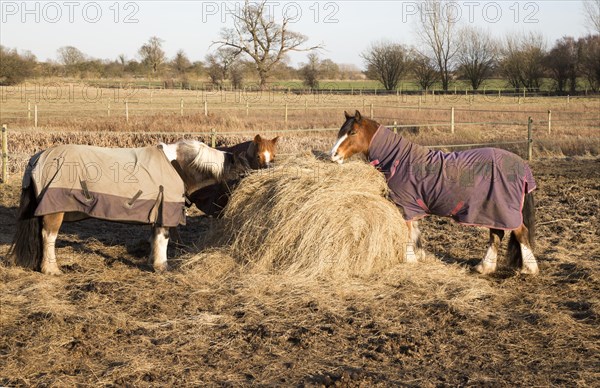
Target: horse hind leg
<point>414,247</point>
<point>50,226</point>
<point>521,251</point>
<point>487,265</point>
<point>158,248</point>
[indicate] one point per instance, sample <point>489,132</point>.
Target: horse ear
<point>347,115</point>
<point>274,140</point>
<point>257,139</point>
<point>357,116</point>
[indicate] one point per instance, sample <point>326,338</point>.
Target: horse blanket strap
<point>120,184</point>
<point>482,187</point>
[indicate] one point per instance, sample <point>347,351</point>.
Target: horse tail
<point>514,254</point>
<point>26,247</point>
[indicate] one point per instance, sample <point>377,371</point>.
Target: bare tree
<point>236,74</point>
<point>425,71</point>
<point>437,30</point>
<point>256,34</point>
<point>329,69</point>
<point>386,62</point>
<point>152,54</point>
<point>71,58</point>
<point>477,55</point>
<point>591,12</point>
<point>181,63</point>
<point>219,64</point>
<point>310,71</point>
<point>589,60</point>
<point>522,60</point>
<point>562,61</point>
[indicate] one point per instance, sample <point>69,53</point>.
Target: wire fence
<point>398,112</point>
<point>213,138</point>
<point>37,116</point>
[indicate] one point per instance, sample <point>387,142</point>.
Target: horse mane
<point>203,158</point>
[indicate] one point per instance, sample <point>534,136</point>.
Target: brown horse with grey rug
<point>257,154</point>
<point>139,185</point>
<point>486,187</point>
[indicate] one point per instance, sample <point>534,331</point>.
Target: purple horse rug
<point>481,187</point>
<point>119,184</point>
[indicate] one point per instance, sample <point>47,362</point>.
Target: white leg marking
<point>158,250</point>
<point>488,263</point>
<point>413,252</point>
<point>49,265</point>
<point>529,263</point>
<point>334,156</point>
<point>411,257</point>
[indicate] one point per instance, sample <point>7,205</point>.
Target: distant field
<point>407,85</point>
<point>140,115</point>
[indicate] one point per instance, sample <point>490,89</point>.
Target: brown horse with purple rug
<point>486,187</point>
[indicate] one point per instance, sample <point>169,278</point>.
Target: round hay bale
<point>307,217</point>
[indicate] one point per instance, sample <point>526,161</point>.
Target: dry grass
<point>109,321</point>
<point>309,218</point>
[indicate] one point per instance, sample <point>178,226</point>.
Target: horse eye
<point>352,132</point>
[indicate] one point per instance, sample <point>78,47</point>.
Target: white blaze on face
<point>267,156</point>
<point>334,156</point>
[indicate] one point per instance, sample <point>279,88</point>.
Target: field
<point>110,321</point>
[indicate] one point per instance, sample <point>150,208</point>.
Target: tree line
<point>256,46</point>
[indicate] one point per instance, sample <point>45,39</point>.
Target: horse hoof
<point>483,269</point>
<point>164,267</point>
<point>52,272</point>
<point>529,271</point>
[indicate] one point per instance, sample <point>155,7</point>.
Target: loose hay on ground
<point>311,218</point>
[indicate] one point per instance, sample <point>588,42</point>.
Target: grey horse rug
<point>119,184</point>
<point>482,187</point>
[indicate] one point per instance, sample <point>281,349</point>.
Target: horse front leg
<point>414,247</point>
<point>488,264</point>
<point>158,248</point>
<point>50,226</point>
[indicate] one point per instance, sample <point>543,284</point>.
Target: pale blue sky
<point>105,29</point>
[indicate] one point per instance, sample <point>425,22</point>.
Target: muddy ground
<point>109,320</point>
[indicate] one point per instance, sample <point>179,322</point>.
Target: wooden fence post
<point>213,138</point>
<point>395,128</point>
<point>452,120</point>
<point>108,108</point>
<point>205,108</point>
<point>4,154</point>
<point>371,111</point>
<point>286,114</point>
<point>35,116</point>
<point>181,107</point>
<point>126,111</point>
<point>549,121</point>
<point>529,139</point>
<point>247,108</point>
<point>28,110</point>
